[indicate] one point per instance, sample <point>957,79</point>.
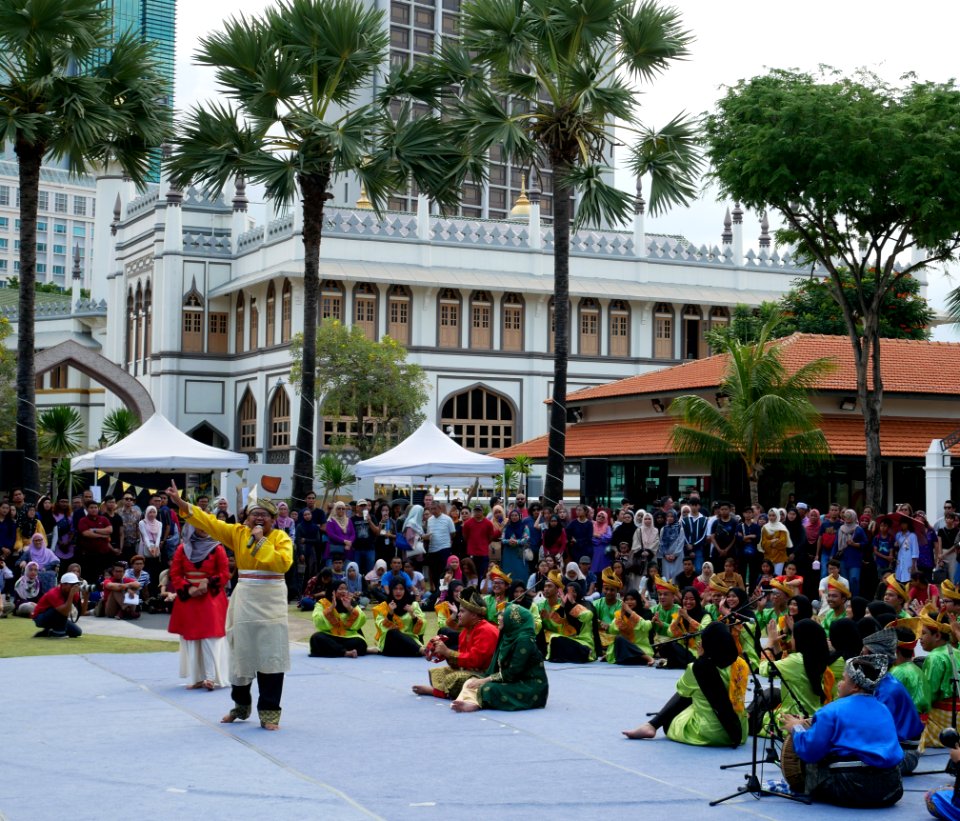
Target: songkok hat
<point>608,577</point>
<point>839,586</point>
<point>717,585</point>
<point>497,573</point>
<point>883,643</point>
<point>471,599</point>
<point>948,590</point>
<point>866,671</point>
<point>263,504</point>
<point>666,587</point>
<point>785,588</point>
<point>556,577</point>
<point>896,587</point>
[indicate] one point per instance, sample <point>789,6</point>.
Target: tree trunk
<point>557,440</point>
<point>871,402</point>
<point>314,191</point>
<point>754,481</point>
<point>30,158</point>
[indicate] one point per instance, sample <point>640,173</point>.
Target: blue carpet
<point>120,737</point>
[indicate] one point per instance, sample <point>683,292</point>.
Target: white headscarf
<point>573,566</point>
<point>414,519</point>
<point>774,525</point>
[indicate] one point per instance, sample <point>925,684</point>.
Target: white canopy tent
<point>158,446</point>
<point>427,453</point>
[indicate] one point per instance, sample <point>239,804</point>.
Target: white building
<point>193,308</point>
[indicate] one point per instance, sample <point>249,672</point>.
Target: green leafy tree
<point>61,435</point>
<point>367,381</point>
<point>333,474</point>
<point>863,175</point>
<point>289,118</point>
<point>546,80</point>
<point>522,466</point>
<point>767,414</point>
<point>68,92</point>
<point>119,424</point>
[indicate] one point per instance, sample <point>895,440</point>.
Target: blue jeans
<point>365,558</point>
<point>852,572</point>
<point>57,623</point>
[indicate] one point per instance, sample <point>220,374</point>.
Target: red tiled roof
<point>907,366</point>
<point>651,437</point>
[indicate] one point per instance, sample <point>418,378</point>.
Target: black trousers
<point>628,654</point>
<point>676,705</point>
<point>270,686</point>
<point>323,645</point>
<point>566,650</point>
<point>400,644</point>
<point>676,655</point>
<point>857,787</point>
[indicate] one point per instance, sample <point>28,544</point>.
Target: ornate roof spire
<point>737,214</point>
<point>727,235</point>
<point>764,231</point>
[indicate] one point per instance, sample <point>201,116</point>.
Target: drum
<point>792,766</point>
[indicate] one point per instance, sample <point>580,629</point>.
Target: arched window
<point>247,423</point>
<point>280,420</point>
<point>131,327</point>
<point>694,340</point>
<point>365,309</point>
<point>481,320</point>
<point>589,327</point>
<point>398,313</point>
<point>619,328</point>
<point>512,333</point>
<point>238,329</point>
<point>147,323</point>
<point>254,324</point>
<point>331,300</point>
<point>271,314</point>
<point>192,323</point>
<point>138,329</point>
<point>448,307</point>
<point>481,419</point>
<point>663,331</point>
<point>286,312</point>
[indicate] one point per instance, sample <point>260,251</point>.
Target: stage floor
<point>117,736</point>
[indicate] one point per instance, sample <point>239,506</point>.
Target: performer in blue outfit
<point>893,695</point>
<point>849,749</point>
<point>940,802</point>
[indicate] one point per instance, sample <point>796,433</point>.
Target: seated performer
<point>607,607</point>
<point>478,641</point>
<point>516,679</point>
<point>448,624</point>
<point>938,672</point>
<point>545,627</point>
<point>944,802</point>
<point>849,750</point>
<point>736,611</point>
<point>338,624</point>
<point>687,622</point>
<point>896,596</point>
<point>708,708</point>
<point>837,595</point>
<point>631,633</point>
<point>810,673</point>
<point>575,641</point>
<point>496,601</point>
<point>399,623</point>
<point>906,671</point>
<point>893,695</point>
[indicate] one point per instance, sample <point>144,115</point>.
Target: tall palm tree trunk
<point>314,189</point>
<point>30,157</point>
<point>557,439</point>
<point>867,361</point>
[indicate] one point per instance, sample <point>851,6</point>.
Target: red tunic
<point>476,647</point>
<point>202,617</point>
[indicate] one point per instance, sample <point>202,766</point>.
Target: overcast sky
<point>734,40</point>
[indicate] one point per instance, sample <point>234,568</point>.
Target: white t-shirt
<point>441,529</point>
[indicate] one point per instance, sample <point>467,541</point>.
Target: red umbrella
<point>918,527</point>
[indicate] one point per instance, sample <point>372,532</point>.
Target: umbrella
<point>918,527</point>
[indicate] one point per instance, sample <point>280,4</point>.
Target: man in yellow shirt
<point>257,615</point>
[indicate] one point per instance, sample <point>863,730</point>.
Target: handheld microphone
<point>949,738</point>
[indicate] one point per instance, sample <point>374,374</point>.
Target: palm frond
<point>674,161</point>
<point>651,37</point>
<point>600,202</point>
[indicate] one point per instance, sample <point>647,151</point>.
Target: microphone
<point>949,738</point>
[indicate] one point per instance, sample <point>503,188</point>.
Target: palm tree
<point>119,424</point>
<point>61,435</point>
<point>291,121</point>
<point>334,475</point>
<point>522,466</point>
<point>68,92</point>
<point>766,414</point>
<point>547,80</point>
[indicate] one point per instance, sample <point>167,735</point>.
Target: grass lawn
<point>16,639</point>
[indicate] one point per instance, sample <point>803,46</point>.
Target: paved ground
<point>154,628</point>
<point>126,740</point>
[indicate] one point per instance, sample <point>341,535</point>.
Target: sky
<point>733,41</point>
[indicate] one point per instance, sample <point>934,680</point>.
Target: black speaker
<point>593,480</point>
<point>11,469</point>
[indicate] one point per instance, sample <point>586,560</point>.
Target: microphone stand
<point>753,785</point>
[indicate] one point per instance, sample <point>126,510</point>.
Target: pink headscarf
<point>812,525</point>
<point>459,573</point>
<point>600,525</point>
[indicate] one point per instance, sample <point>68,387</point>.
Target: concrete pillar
<point>109,187</point>
<point>938,468</point>
<point>639,225</point>
<point>737,234</point>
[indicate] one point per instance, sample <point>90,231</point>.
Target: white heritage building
<point>193,307</point>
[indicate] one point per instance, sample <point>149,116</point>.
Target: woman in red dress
<point>199,572</point>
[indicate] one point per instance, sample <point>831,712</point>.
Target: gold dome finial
<point>363,201</point>
<point>521,208</point>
